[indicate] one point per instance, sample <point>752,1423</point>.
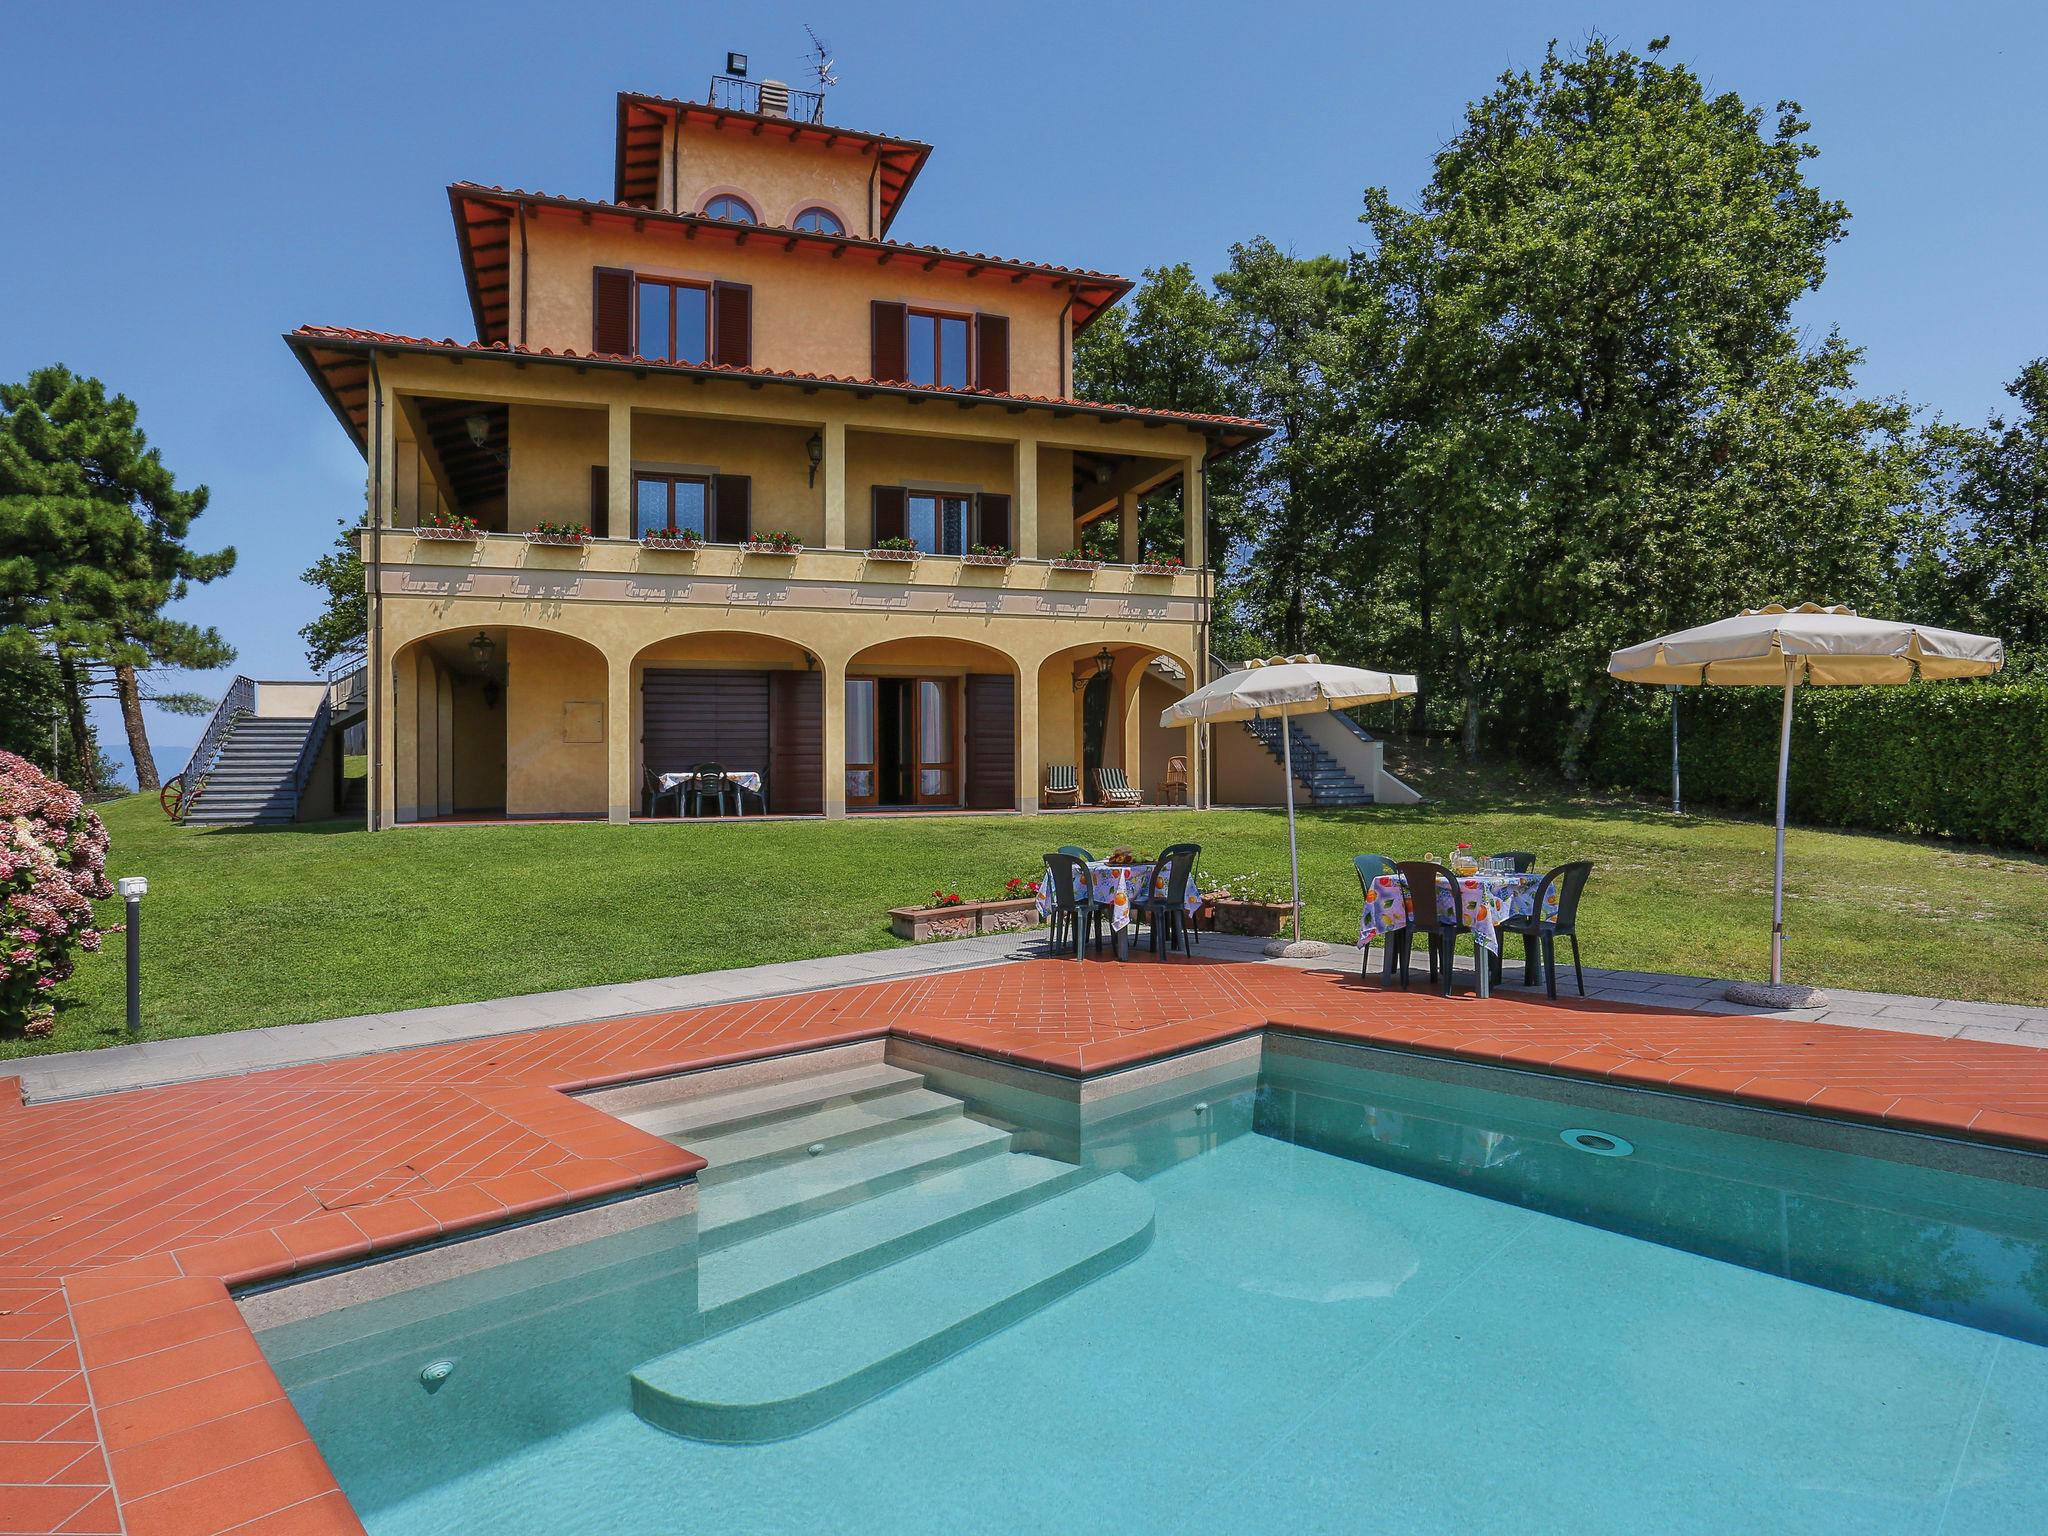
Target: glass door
<point>938,730</point>
<point>862,774</point>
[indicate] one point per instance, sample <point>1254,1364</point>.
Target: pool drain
<point>815,1149</point>
<point>433,1375</point>
<point>1599,1143</point>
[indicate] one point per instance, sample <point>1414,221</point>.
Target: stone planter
<point>1253,919</point>
<point>963,921</point>
<point>448,535</point>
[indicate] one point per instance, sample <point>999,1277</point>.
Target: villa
<point>730,476</point>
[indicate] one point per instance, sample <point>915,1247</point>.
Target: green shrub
<point>1962,760</point>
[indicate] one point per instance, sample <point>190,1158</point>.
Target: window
<point>938,523</point>
<point>733,209</point>
<point>937,349</point>
<point>674,320</point>
<point>819,221</point>
<point>670,501</point>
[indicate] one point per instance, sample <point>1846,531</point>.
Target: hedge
<point>1965,760</point>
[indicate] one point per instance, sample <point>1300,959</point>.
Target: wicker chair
<point>1060,784</point>
<point>1173,789</point>
<point>1112,788</point>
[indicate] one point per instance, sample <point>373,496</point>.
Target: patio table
<point>749,783</point>
<point>1112,886</point>
<point>1487,900</point>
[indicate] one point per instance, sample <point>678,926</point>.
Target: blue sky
<point>183,183</point>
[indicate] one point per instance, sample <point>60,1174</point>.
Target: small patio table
<point>1485,900</point>
<point>1112,886</point>
<point>747,781</point>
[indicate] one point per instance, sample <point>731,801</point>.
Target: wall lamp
<point>814,450</point>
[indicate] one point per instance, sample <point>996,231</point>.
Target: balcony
<point>770,98</point>
<point>508,566</point>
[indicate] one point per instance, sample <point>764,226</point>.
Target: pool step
<point>796,1368</point>
<point>717,1113</point>
<point>787,1192</point>
<point>739,1283</point>
<point>756,1148</point>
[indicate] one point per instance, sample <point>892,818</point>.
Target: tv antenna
<point>821,52</point>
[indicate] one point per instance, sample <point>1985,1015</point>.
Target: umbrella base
<point>1297,949</point>
<point>1762,994</point>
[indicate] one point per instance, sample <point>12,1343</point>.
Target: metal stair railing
<point>309,749</point>
<point>238,701</point>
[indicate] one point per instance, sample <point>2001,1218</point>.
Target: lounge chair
<point>1112,788</point>
<point>1060,784</point>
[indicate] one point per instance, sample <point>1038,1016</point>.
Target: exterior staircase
<point>854,1229</point>
<point>1325,779</point>
<point>255,779</point>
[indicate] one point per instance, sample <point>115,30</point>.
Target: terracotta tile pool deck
<point>133,1398</point>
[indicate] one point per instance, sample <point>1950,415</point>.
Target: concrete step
<point>714,1114</point>
<point>748,1151</point>
<point>797,1368</point>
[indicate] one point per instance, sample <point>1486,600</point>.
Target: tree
<point>1608,423</point>
<point>343,624</point>
<point>2000,492</point>
<point>92,549</point>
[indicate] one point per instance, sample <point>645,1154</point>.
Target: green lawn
<point>272,927</point>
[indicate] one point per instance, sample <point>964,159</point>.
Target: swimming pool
<point>1288,1286</point>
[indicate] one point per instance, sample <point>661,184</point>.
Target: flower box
<point>963,920</point>
<point>904,556</point>
<point>674,546</point>
<point>994,560</point>
<point>1254,919</point>
<point>771,547</point>
<point>1159,568</point>
<point>1064,564</point>
<point>558,540</point>
<point>451,535</point>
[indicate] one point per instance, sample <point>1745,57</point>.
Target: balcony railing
<point>771,98</point>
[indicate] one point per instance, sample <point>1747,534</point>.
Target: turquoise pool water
<point>1393,1334</point>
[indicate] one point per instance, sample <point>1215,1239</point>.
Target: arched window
<point>819,221</point>
<point>732,209</point>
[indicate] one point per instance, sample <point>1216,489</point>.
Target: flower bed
<point>53,862</point>
<point>963,919</point>
<point>1254,919</point>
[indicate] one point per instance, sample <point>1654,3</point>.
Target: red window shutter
<point>732,508</point>
<point>892,342</point>
<point>891,520</point>
<point>994,526</point>
<point>611,309</point>
<point>600,501</point>
<point>732,325</point>
<point>992,353</point>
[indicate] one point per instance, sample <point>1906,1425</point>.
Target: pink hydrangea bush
<point>53,867</point>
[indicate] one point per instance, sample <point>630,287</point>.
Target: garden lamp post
<point>133,888</point>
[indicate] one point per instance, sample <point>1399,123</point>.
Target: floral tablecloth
<point>1488,901</point>
<point>1114,886</point>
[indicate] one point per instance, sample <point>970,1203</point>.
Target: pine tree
<point>92,548</point>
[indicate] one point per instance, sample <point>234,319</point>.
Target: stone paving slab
<point>152,1063</point>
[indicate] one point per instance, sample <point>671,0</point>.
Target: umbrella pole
<point>1293,852</point>
<point>1778,886</point>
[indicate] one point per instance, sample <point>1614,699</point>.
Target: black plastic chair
<point>1073,903</point>
<point>1166,911</point>
<point>653,794</point>
<point>708,781</point>
<point>1522,862</point>
<point>1424,918</point>
<point>1058,920</point>
<point>1370,867</point>
<point>1537,935</point>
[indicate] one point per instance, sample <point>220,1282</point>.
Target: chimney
<point>774,98</point>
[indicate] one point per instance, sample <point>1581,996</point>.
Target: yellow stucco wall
<point>810,312</point>
<point>478,742</point>
<point>777,177</point>
<point>547,774</point>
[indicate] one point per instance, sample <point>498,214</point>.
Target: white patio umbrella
<point>1783,647</point>
<point>1275,689</point>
